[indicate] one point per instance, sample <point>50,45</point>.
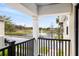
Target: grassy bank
<point>18,33</point>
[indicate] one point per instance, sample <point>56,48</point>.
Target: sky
<point>19,18</point>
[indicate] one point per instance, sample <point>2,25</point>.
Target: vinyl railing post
<point>11,49</point>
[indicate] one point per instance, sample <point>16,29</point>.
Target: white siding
<point>66,24</point>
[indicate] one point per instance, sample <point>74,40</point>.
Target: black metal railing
<point>54,47</point>
<point>25,48</point>
<point>47,47</point>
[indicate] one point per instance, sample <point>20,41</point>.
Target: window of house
<point>67,30</point>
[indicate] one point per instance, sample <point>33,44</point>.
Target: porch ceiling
<point>45,4</point>
<point>49,8</point>
<point>40,9</point>
<point>55,9</point>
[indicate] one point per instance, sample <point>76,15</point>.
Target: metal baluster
<point>9,51</point>
<point>39,47</point>
<point>51,47</point>
<point>25,48</point>
<point>59,48</point>
<point>46,47</point>
<point>54,47</point>
<point>3,52</point>
<point>32,47</point>
<point>20,50</point>
<point>65,48</point>
<point>62,48</point>
<point>17,50</point>
<point>69,49</point>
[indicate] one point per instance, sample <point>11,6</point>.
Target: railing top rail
<point>4,48</point>
<point>25,41</point>
<point>54,39</point>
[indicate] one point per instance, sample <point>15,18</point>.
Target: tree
<point>9,26</point>
<point>60,28</point>
<point>57,20</point>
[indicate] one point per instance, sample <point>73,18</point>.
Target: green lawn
<point>19,32</point>
<point>5,52</point>
<point>45,50</point>
<point>60,53</point>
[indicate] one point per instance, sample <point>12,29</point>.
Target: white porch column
<point>35,27</point>
<point>35,34</point>
<point>1,33</point>
<point>72,30</point>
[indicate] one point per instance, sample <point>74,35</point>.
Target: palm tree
<point>57,19</point>
<point>60,28</point>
